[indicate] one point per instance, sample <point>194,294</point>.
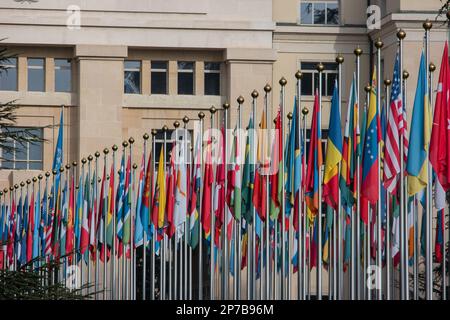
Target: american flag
<point>393,131</point>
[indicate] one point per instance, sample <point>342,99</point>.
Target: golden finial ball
<point>61,170</point>
<point>267,88</point>
<point>40,176</point>
<point>212,110</point>
<point>201,115</point>
<point>34,179</point>
<point>240,100</point>
<point>114,148</point>
<point>54,172</point>
<point>401,34</point>
<point>28,181</point>
<point>165,128</point>
<point>226,106</point>
<point>320,67</point>
<point>146,136</point>
<point>74,163</point>
<point>340,59</point>
<point>16,186</point>
<point>47,174</point>
<point>125,143</point>
<point>90,158</point>
<point>1,193</point>
<point>5,190</point>
<point>185,119</point>
<point>68,166</point>
<point>176,124</point>
<point>283,81</point>
<point>378,43</point>
<point>154,132</point>
<point>134,166</point>
<point>289,115</point>
<point>83,161</point>
<point>131,140</point>
<point>427,25</point>
<point>298,75</point>
<point>255,94</point>
<point>97,154</point>
<point>358,52</point>
<point>387,82</point>
<point>305,111</point>
<point>432,67</point>
<point>368,88</point>
<point>106,151</point>
<point>405,74</point>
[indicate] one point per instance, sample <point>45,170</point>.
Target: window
<point>212,78</point>
<point>8,74</point>
<point>36,74</point>
<point>159,77</point>
<point>132,77</point>
<point>325,13</point>
<point>310,80</point>
<point>63,75</point>
<point>159,144</point>
<point>26,155</point>
<point>185,77</point>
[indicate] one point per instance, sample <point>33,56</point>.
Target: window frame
<point>314,71</point>
<point>192,71</point>
<point>157,70</point>
<point>212,71</point>
<point>326,2</point>
<point>128,69</point>
<point>59,68</point>
<point>27,161</point>
<point>5,71</point>
<point>159,140</point>
<point>36,68</point>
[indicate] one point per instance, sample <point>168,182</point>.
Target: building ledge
<point>158,101</point>
<point>27,98</point>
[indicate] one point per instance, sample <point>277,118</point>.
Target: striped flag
<point>194,205</point>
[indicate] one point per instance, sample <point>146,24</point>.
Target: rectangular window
<point>185,77</point>
<point>310,80</point>
<point>320,13</point>
<point>159,77</point>
<point>8,74</point>
<point>212,78</point>
<point>36,74</point>
<point>169,143</point>
<point>132,77</point>
<point>23,155</point>
<point>63,75</point>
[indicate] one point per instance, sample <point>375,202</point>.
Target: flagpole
<point>164,240</point>
<point>319,68</point>
<point>267,90</point>
<point>387,83</point>
<point>212,110</point>
<point>201,116</point>
<point>96,204</point>
<point>427,25</point>
<point>144,243</point>
<point>240,101</point>
<point>226,107</point>
<point>105,248</point>
<point>306,269</point>
<point>188,250</point>
<point>288,286</point>
<point>83,163</point>
<point>367,89</point>
<point>154,231</point>
<point>176,125</point>
<point>254,95</point>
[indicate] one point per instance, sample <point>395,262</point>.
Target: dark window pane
<point>36,74</point>
<point>332,13</point>
<point>316,83</point>
<point>159,82</point>
<point>331,77</point>
<point>20,165</point>
<point>21,151</point>
<point>35,151</point>
<point>159,65</point>
<point>132,79</point>
<point>308,66</point>
<point>183,65</point>
<point>307,84</point>
<point>306,13</point>
<point>319,13</point>
<point>185,83</point>
<point>212,84</point>
<point>332,66</point>
<point>212,66</point>
<point>35,165</point>
<point>7,165</point>
<point>63,75</point>
<point>8,75</point>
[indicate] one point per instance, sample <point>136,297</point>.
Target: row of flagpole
<point>266,274</point>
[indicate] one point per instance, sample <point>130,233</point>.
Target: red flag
<point>70,220</point>
<point>260,186</point>
<point>207,192</point>
<point>219,197</point>
<point>30,229</point>
<point>171,185</point>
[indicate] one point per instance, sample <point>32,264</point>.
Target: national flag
<point>333,154</point>
<point>84,238</point>
<point>139,225</point>
<point>70,232</point>
<point>110,219</point>
<point>417,164</point>
<point>126,235</point>
<point>159,199</point>
<point>248,175</point>
<point>207,191</point>
<point>181,204</point>
<point>276,179</point>
<point>194,204</point>
<point>260,187</point>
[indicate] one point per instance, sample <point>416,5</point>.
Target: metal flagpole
<point>305,267</point>
<point>379,45</point>
<point>90,158</point>
<point>81,188</point>
<point>152,193</point>
<point>96,204</point>
<point>113,221</point>
<point>201,116</point>
<point>368,259</point>
<point>240,101</point>
<point>163,247</point>
<point>144,243</point>
<point>356,217</point>
<point>337,224</point>
<point>105,206</point>
<point>300,266</point>
<point>288,286</point>
<point>320,68</point>
<point>427,25</point>
<point>187,249</point>
<point>175,243</point>
<point>387,83</point>
<point>132,282</point>
<point>225,281</point>
<point>267,90</point>
<point>283,83</point>
<point>253,250</point>
<point>212,110</point>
